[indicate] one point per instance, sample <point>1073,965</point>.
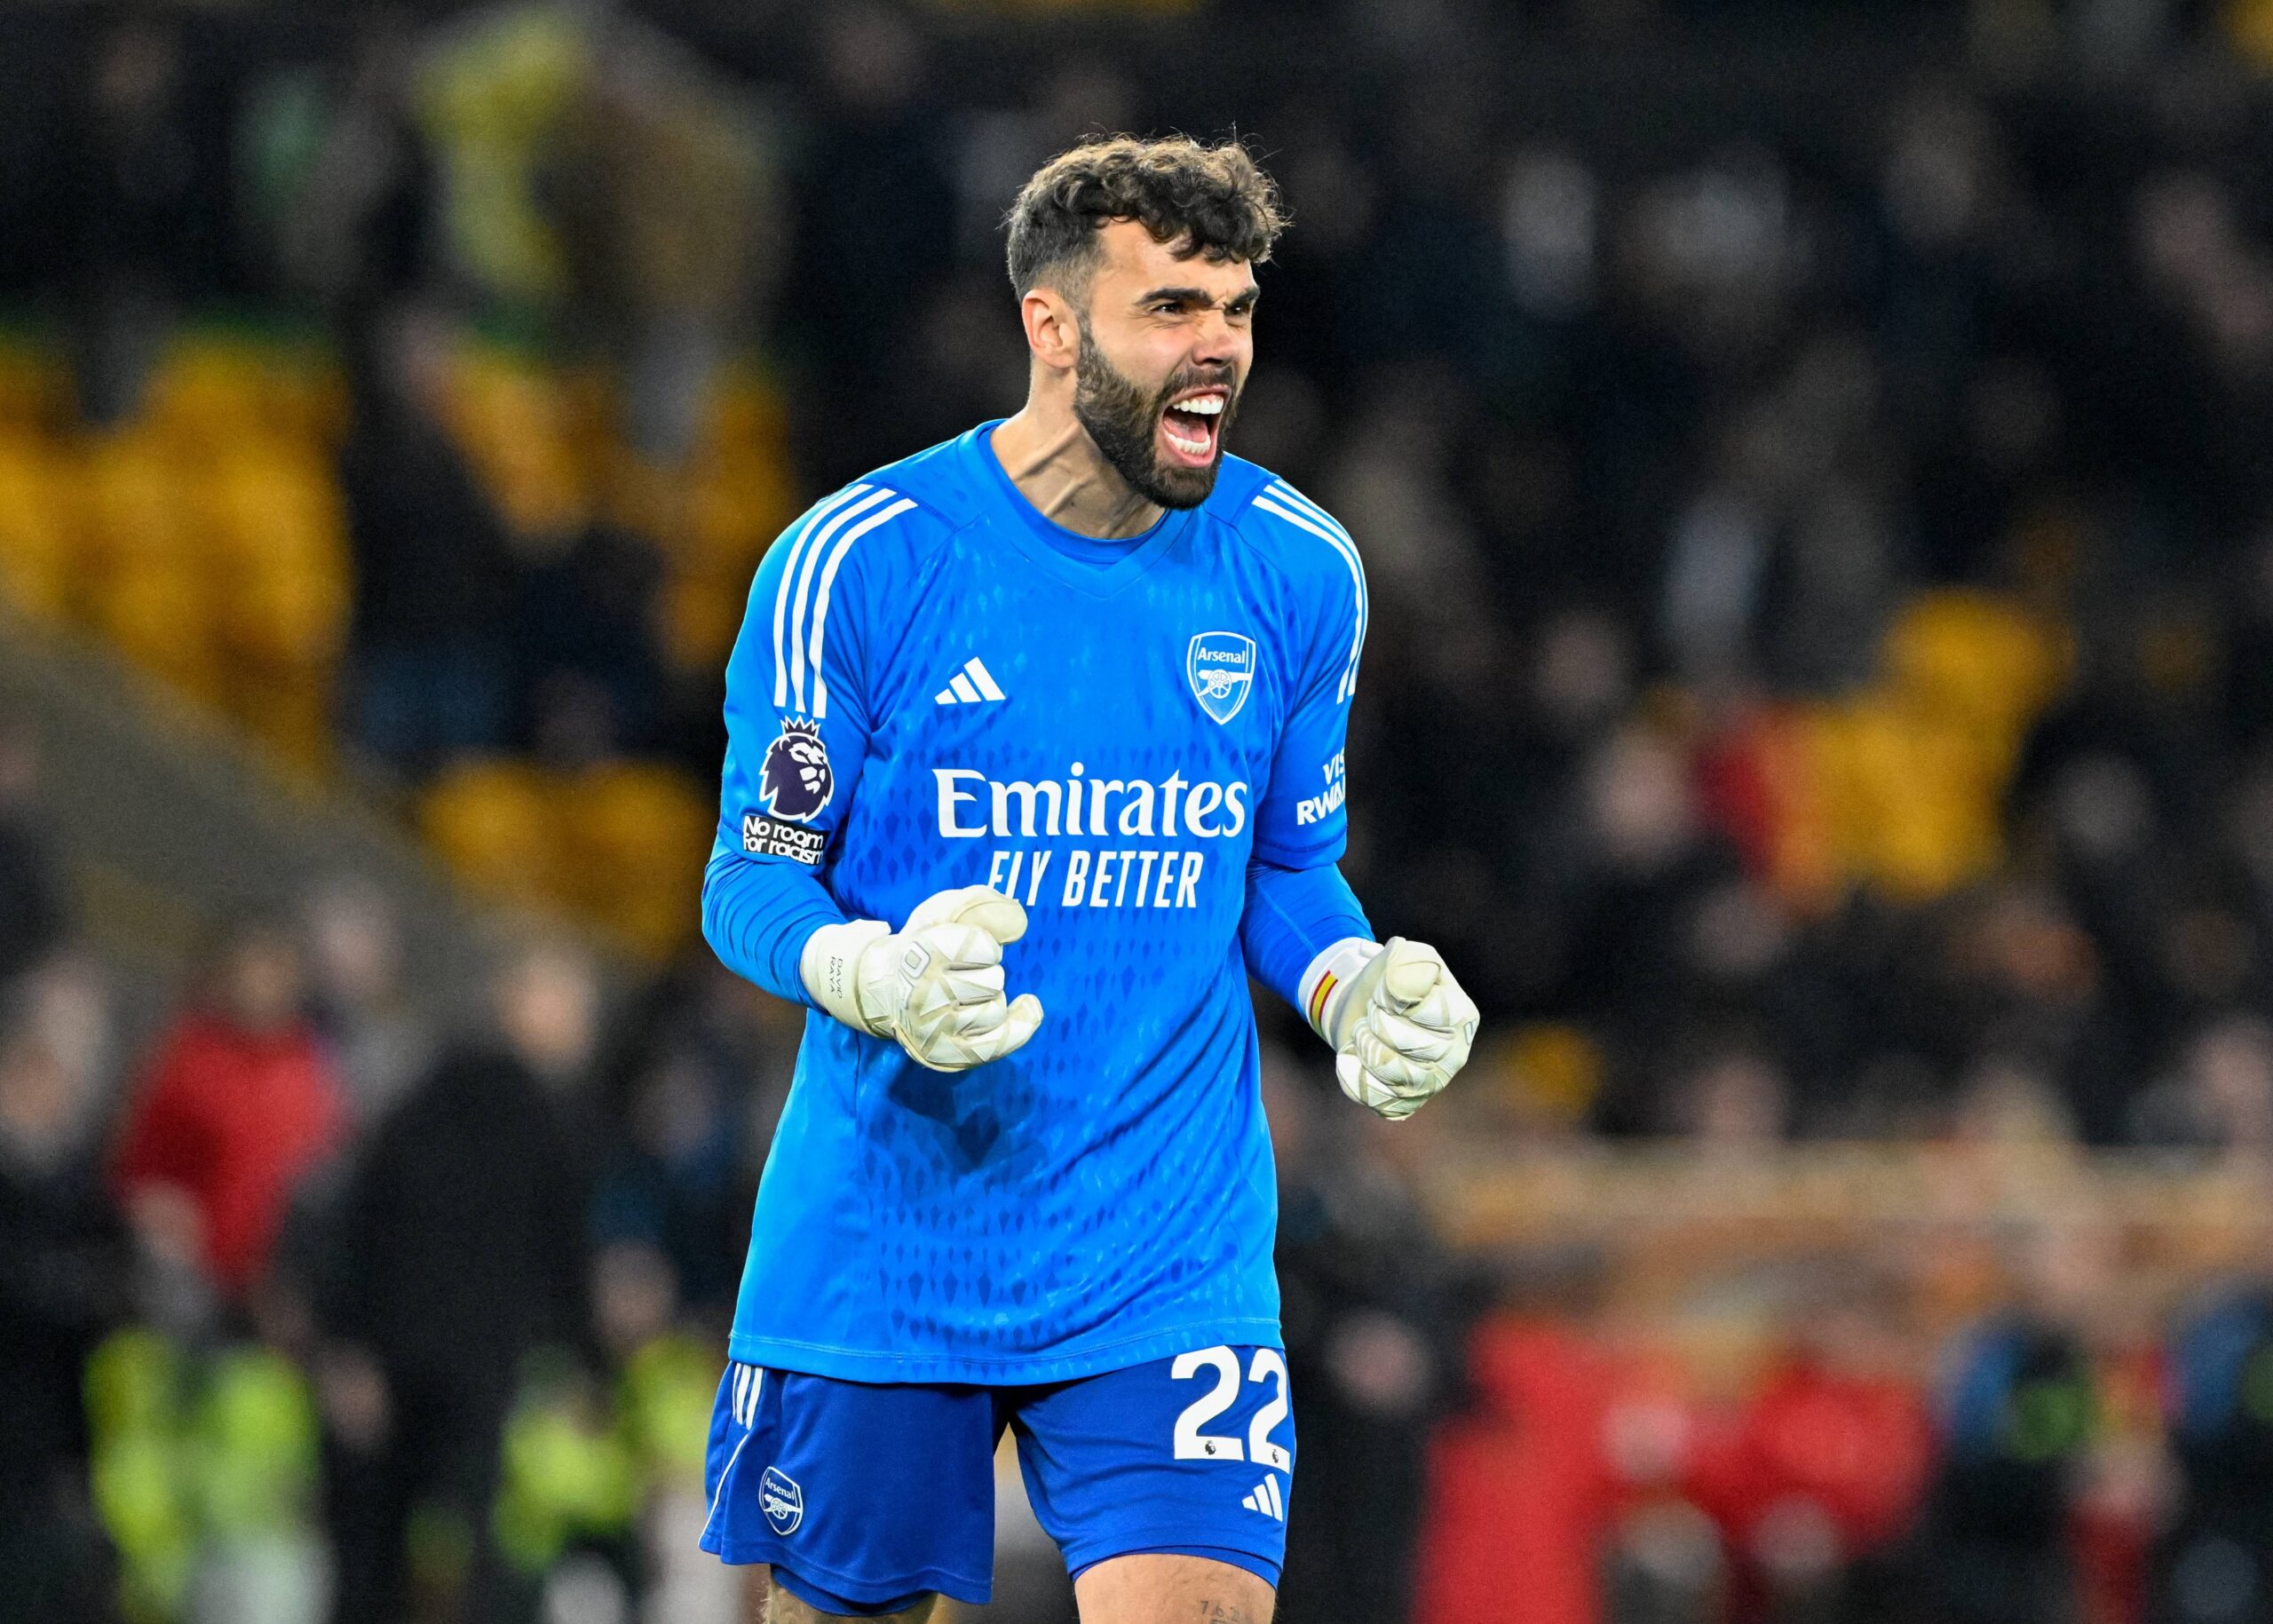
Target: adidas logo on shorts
<point>1265,1500</point>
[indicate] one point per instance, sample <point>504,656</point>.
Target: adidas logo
<point>973,684</point>
<point>1265,1500</point>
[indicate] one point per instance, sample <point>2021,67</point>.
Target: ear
<point>1053,332</point>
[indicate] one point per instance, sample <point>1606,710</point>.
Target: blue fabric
<point>758,916</point>
<point>1293,914</point>
<point>1262,1567</point>
<point>1106,1478</point>
<point>826,1600</point>
<point>863,1496</point>
<point>1980,1387</point>
<point>2207,1360</point>
<point>1105,1196</point>
<point>870,1492</point>
<point>420,704</point>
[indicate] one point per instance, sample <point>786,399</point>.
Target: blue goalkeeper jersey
<point>935,686</point>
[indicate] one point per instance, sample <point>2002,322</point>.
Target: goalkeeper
<point>1034,756</point>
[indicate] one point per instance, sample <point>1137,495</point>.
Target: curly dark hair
<point>1214,200</point>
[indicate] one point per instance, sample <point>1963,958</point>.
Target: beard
<point>1123,418</point>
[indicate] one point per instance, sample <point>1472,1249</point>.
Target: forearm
<point>757,918</point>
<point>1297,921</point>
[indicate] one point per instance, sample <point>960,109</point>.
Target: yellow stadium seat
<point>642,836</point>
<point>159,616</point>
<point>147,583</point>
<point>740,503</point>
<point>493,822</point>
<point>513,422</point>
<point>35,386</point>
<point>289,711</point>
<point>1977,658</point>
<point>747,415</point>
<point>279,554</point>
<point>1931,797</point>
<point>701,614</point>
<point>588,414</point>
<point>137,510</point>
<point>2249,24</point>
<point>37,551</point>
<point>206,393</point>
<point>307,397</point>
<point>210,390</point>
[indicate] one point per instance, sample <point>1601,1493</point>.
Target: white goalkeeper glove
<point>935,984</point>
<point>1400,1026</point>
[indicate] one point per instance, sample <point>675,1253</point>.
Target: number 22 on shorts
<point>1193,1444</point>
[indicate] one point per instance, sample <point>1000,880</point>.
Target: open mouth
<point>1191,427</point>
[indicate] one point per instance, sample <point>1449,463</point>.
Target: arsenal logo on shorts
<point>1220,666</point>
<point>782,1500</point>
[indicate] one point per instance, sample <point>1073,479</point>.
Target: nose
<point>1217,343</point>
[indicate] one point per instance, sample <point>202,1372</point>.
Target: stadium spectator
<point>434,573</point>
<point>1525,1483</point>
<point>379,1038</point>
<point>63,1274</point>
<point>1366,1297</point>
<point>2019,1414</point>
<point>32,914</point>
<point>669,226</point>
<point>238,1106</point>
<point>360,233</point>
<point>874,218</point>
<point>1818,1476</point>
<point>460,1248</point>
<point>2221,1097</point>
<point>584,652</point>
<point>135,210</point>
<point>693,1094</point>
<point>2213,1559</point>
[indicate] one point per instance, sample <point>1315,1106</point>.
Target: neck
<point>1056,466</point>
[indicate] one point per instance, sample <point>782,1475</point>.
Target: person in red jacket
<point>240,1104</point>
<point>1820,1473</point>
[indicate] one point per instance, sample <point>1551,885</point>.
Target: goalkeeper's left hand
<point>1401,1027</point>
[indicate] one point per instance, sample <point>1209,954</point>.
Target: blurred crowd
<point>1823,557</point>
<point>316,1306</point>
<point>1820,550</point>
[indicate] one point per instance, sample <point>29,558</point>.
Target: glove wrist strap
<point>1327,981</point>
<point>829,967</point>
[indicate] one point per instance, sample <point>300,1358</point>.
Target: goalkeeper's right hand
<point>935,984</point>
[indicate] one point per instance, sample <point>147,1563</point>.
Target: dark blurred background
<point>1815,467</point>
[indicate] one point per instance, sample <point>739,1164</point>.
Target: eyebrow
<point>1197,296</point>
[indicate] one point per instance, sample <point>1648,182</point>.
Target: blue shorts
<point>865,1497</point>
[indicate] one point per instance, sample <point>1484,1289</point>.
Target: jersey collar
<point>1100,568</point>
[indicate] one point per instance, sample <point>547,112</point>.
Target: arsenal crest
<point>1220,666</point>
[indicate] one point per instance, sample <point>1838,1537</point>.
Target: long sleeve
<point>757,917</point>
<point>1299,820</point>
<point>796,735</point>
<point>1293,918</point>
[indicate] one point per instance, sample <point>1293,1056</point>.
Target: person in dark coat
<point>434,569</point>
<point>460,1249</point>
<point>32,914</point>
<point>64,1273</point>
